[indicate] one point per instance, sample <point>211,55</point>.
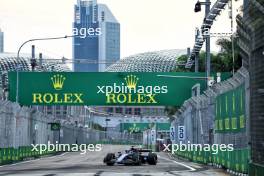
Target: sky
<point>146,25</point>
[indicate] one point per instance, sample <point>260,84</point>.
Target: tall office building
<point>97,44</point>
<point>1,41</point>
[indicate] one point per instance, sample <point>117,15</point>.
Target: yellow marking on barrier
<point>220,124</point>
<point>234,123</point>
<point>216,125</point>
<point>227,126</point>
<point>242,121</point>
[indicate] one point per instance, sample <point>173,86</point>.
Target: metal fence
<point>22,126</point>
<point>206,122</point>
<point>251,42</point>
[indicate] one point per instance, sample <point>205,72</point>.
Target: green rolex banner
<point>139,127</point>
<point>101,88</point>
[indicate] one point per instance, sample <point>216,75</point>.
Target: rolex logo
<point>131,81</point>
<point>58,81</point>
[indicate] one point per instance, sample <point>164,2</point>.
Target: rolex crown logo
<point>131,81</point>
<point>58,81</point>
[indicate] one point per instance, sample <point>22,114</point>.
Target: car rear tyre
<point>109,164</point>
<point>152,158</point>
<point>109,159</point>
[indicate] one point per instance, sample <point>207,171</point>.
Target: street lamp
<point>18,67</point>
<point>198,8</point>
<point>41,39</point>
<point>33,62</point>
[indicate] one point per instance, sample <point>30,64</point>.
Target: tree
<point>220,62</point>
<point>226,54</point>
<point>181,68</point>
<point>170,111</point>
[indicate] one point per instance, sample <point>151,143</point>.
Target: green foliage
<point>223,61</point>
<point>220,62</point>
<point>181,68</point>
<point>170,111</point>
<point>98,127</point>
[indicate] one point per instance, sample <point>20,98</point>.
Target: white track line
<point>189,167</point>
<point>57,155</point>
<point>29,161</point>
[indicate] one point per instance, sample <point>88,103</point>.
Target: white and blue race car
<point>134,156</point>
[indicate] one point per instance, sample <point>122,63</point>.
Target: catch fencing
<point>218,116</point>
<point>22,126</point>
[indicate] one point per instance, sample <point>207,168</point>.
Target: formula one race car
<point>134,156</point>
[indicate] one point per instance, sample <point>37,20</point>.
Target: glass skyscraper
<point>97,44</point>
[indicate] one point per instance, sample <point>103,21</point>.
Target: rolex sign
<point>79,88</point>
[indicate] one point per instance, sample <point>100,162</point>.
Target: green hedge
<point>236,160</point>
<point>11,155</point>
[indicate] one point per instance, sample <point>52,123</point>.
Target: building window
<point>110,110</point>
<point>49,109</point>
<point>58,110</point>
<point>137,111</point>
<point>128,110</point>
<point>64,110</point>
<point>119,110</point>
<point>103,16</point>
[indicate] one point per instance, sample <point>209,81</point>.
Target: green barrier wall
<point>11,155</point>
<point>230,118</point>
<point>256,169</point>
<point>230,111</point>
<point>236,160</point>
